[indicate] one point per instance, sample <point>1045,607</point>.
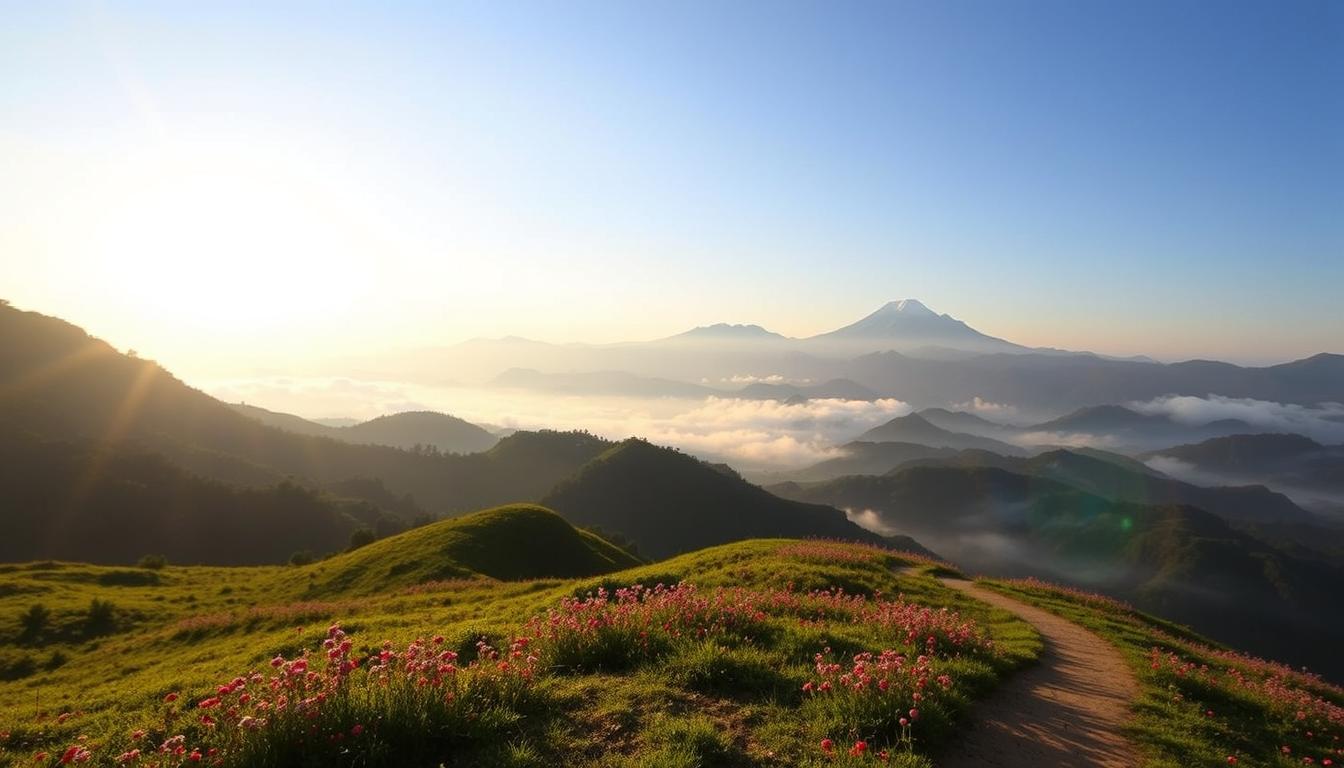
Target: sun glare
<point>223,241</point>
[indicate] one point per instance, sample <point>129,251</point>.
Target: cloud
<point>1065,440</point>
<point>986,408</point>
<point>759,433</point>
<point>1324,421</point>
<point>871,520</point>
<point>751,434</point>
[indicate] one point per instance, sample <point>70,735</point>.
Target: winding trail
<point>1067,711</point>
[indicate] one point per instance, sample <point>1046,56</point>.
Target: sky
<point>227,185</point>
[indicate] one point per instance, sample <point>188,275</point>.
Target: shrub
<point>101,617</point>
<point>35,621</point>
<point>153,562</point>
<point>302,557</point>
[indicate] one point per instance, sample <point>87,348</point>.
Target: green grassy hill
<point>521,541</point>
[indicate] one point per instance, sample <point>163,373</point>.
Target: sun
<point>231,242</point>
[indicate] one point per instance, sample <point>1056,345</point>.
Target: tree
<point>302,557</point>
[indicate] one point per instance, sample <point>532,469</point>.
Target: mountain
<point>864,458</point>
<point>969,423</point>
<point>1119,478</point>
<point>914,428</point>
<point>1180,562</point>
<point>667,502</point>
<point>1116,421</point>
<point>1290,462</point>
<point>408,429</point>
<point>907,325</point>
<point>1053,382</point>
<point>727,332</point>
<point>520,541</point>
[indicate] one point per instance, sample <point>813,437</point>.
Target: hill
<point>520,541</point>
<point>426,428</point>
<point>409,429</point>
<point>115,505</point>
<point>667,503</point>
<point>914,428</point>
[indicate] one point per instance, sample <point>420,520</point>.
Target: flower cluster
<point>612,629</point>
<point>1310,717</point>
<point>879,694</point>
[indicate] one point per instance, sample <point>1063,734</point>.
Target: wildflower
<point>170,698</point>
<point>859,748</point>
<point>356,730</point>
<point>827,746</point>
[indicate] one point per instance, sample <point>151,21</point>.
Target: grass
<point>1200,703</point>
<point>720,685</point>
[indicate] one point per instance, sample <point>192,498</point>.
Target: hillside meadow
<point>766,652</point>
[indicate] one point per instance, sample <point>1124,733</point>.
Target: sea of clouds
<point>751,434</point>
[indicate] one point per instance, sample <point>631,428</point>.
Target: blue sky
<point>1140,177</point>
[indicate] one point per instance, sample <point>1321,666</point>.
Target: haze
<point>260,189</point>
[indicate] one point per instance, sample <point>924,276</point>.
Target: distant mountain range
<point>903,350</point>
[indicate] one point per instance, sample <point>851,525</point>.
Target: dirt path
<point>1065,712</point>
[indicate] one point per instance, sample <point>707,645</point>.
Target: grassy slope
<point>187,629</point>
<point>1202,704</point>
<point>519,541</point>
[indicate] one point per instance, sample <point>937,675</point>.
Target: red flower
<point>827,746</point>
<point>170,698</point>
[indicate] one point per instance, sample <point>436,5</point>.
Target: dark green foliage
<point>302,557</point>
<point>360,537</point>
<point>667,503</point>
<point>153,562</point>
<point>34,622</point>
<point>101,618</point>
